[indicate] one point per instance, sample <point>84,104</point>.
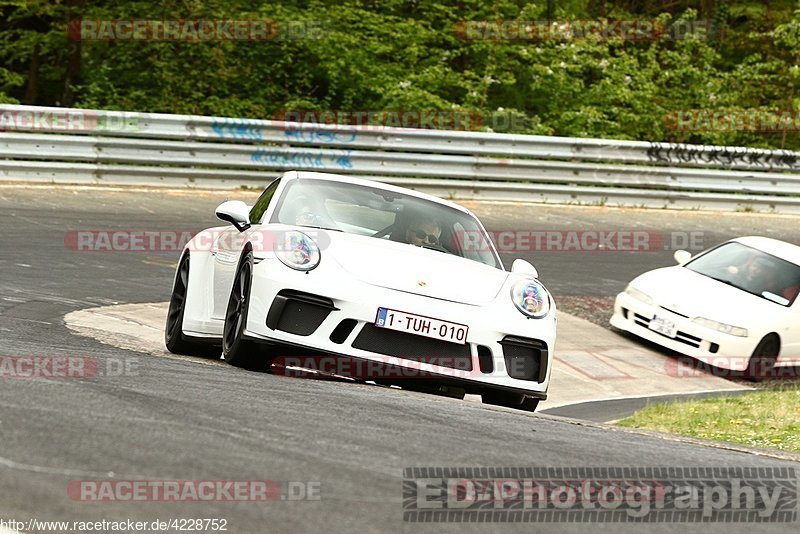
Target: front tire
<point>762,362</point>
<point>236,350</point>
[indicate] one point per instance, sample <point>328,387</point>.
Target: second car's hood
<point>404,267</point>
<point>695,295</point>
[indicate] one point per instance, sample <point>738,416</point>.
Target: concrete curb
<point>592,363</point>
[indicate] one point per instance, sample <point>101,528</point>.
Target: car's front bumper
<point>491,326</point>
<point>707,345</point>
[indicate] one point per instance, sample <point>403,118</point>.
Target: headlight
<point>297,250</point>
<point>639,295</point>
<point>531,298</point>
<point>721,327</point>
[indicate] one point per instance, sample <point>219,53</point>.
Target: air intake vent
<point>526,359</point>
<point>485,359</point>
<point>342,330</point>
<point>297,312</point>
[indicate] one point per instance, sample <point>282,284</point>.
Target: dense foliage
<point>410,55</point>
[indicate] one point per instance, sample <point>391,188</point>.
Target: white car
<point>357,269</point>
<point>733,306</point>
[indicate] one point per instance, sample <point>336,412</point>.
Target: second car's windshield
<point>375,212</point>
<point>751,270</point>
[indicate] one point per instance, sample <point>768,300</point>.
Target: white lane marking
<point>11,464</point>
<point>26,320</point>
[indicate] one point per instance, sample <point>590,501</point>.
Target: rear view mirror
<point>236,213</point>
<point>682,256</point>
<point>524,267</point>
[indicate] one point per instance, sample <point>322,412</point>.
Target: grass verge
<point>769,418</point>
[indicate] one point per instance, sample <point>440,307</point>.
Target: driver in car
<point>306,212</point>
<point>424,231</point>
<point>757,275</point>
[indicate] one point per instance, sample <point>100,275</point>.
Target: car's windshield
<point>382,214</point>
<point>751,270</point>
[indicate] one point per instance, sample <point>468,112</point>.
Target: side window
<point>261,205</point>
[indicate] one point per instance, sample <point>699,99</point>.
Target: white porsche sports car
<point>351,268</point>
<point>733,306</point>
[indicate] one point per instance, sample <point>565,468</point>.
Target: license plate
<point>421,325</point>
<point>663,326</point>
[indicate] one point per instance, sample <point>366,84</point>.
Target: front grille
<point>526,359</point>
<point>682,337</point>
<point>412,347</point>
<point>641,320</point>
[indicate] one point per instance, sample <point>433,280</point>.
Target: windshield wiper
<point>728,282</point>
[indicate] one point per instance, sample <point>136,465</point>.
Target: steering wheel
<point>384,232</point>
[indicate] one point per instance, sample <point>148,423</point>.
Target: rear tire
<point>236,350</point>
<point>174,339</point>
<point>762,362</point>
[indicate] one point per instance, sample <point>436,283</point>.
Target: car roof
<point>776,247</point>
<point>301,175</point>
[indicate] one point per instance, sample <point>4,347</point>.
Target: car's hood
<point>404,267</point>
<point>694,295</point>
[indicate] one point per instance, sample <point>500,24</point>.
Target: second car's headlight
<point>297,250</point>
<point>531,298</point>
<point>639,295</point>
<point>722,327</point>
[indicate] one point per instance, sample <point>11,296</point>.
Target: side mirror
<point>523,267</point>
<point>236,213</point>
<point>682,256</point>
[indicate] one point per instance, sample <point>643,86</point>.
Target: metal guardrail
<point>91,146</point>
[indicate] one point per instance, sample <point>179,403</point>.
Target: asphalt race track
<point>165,419</point>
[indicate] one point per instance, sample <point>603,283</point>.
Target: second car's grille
<point>681,337</point>
<point>412,347</point>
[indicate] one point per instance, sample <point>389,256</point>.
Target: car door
<point>227,250</point>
